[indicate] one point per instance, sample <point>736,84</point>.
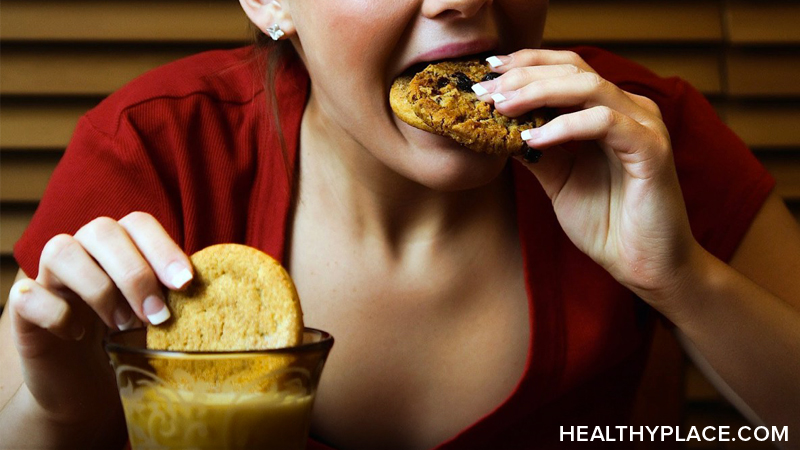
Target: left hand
<point>616,195</point>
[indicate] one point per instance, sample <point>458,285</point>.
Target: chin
<point>441,164</point>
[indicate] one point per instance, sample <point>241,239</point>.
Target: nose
<point>458,9</point>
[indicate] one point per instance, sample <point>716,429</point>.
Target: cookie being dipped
<point>239,299</point>
<point>439,99</point>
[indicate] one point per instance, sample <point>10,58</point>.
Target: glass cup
<point>258,399</point>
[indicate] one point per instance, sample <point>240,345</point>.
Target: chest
<point>423,350</point>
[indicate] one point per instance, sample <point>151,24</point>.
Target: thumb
<point>551,167</point>
<point>37,312</point>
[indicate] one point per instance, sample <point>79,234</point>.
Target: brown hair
<point>270,56</point>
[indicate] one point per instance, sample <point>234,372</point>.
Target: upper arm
<point>769,254</point>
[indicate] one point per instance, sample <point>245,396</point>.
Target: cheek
<point>347,32</point>
<point>346,43</point>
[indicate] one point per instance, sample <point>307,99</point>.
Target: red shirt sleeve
<point>97,176</point>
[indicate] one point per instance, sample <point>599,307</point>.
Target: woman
<point>476,302</point>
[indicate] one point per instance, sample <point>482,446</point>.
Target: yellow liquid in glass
<point>160,418</point>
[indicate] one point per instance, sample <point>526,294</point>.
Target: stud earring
<point>275,32</point>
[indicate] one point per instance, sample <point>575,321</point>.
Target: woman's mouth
<point>476,48</point>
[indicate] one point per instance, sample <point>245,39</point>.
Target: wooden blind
<point>61,58</point>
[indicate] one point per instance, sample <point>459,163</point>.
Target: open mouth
<point>420,66</point>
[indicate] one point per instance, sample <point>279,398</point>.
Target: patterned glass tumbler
<point>259,399</point>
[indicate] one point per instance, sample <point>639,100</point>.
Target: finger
<point>641,150</point>
<point>646,103</point>
<point>111,246</point>
<point>170,264</point>
<point>536,57</point>
<point>522,76</point>
<point>66,266</point>
<point>36,308</point>
<point>581,90</point>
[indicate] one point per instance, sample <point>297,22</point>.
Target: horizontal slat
<point>177,20</point>
<point>674,21</point>
<point>30,124</point>
<point>79,70</point>
<point>785,167</point>
<point>134,20</point>
<point>12,223</point>
<point>794,207</point>
<point>767,73</point>
<point>23,177</point>
<point>765,125</point>
<point>701,68</point>
<point>772,22</point>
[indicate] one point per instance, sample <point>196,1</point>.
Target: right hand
<point>104,277</point>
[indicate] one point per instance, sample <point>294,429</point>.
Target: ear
<point>266,13</point>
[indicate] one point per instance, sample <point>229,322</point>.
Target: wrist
<point>689,282</point>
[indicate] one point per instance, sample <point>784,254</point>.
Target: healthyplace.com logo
<point>668,433</point>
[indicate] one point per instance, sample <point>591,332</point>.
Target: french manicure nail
<point>479,90</point>
<point>23,287</point>
<point>494,61</point>
<point>529,134</point>
<point>155,310</point>
<point>124,318</point>
<point>179,275</point>
<point>498,98</point>
<point>77,331</point>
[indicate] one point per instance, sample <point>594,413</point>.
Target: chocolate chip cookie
<point>440,99</point>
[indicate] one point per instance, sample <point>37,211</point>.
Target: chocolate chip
<point>490,76</point>
<point>442,82</point>
<point>532,155</point>
<point>463,82</point>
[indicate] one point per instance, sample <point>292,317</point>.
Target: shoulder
<point>219,77</point>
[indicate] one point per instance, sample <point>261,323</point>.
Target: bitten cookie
<point>240,299</point>
<point>442,101</point>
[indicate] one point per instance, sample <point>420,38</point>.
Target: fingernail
<point>498,98</point>
<point>23,287</point>
<point>124,318</point>
<point>529,134</point>
<point>77,331</point>
<point>179,275</point>
<point>479,90</point>
<point>276,4</point>
<point>532,155</point>
<point>494,61</point>
<point>155,310</point>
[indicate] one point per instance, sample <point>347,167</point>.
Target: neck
<point>374,202</point>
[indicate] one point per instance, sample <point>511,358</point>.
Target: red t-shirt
<point>193,144</point>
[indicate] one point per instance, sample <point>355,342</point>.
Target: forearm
<point>23,424</point>
<point>750,337</point>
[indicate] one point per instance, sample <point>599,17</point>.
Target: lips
<point>453,50</point>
